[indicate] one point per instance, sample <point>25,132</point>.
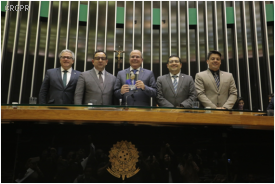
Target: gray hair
<point>67,50</point>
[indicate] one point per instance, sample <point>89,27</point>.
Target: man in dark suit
<point>59,84</point>
<point>145,85</point>
<point>96,84</point>
<point>216,88</point>
<point>271,104</point>
<point>175,89</point>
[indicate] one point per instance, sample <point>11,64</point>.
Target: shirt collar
<point>171,75</point>
<point>213,72</point>
<point>69,70</point>
<point>103,71</point>
<point>138,69</point>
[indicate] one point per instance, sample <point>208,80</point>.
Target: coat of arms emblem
<point>123,157</point>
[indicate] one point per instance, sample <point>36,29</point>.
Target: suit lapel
<point>169,81</point>
<point>127,71</point>
<point>211,77</point>
<point>106,80</point>
<point>72,77</point>
<point>93,74</point>
<point>141,74</point>
<point>59,77</point>
<point>181,78</point>
<point>221,80</point>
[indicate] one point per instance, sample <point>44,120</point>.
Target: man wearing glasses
<point>95,85</point>
<point>59,84</point>
<point>145,86</point>
<point>175,89</point>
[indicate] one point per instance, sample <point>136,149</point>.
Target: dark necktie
<point>65,78</point>
<point>135,71</point>
<point>100,79</point>
<point>216,77</point>
<point>175,83</point>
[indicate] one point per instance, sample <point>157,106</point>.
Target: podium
<point>154,116</point>
<point>27,130</point>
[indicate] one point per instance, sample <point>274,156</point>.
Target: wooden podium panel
<point>32,129</point>
<point>134,115</point>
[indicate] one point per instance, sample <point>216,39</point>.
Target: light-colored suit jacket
<point>210,96</point>
<point>185,94</point>
<point>88,88</point>
<point>137,97</point>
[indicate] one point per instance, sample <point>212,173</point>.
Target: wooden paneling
<point>151,116</point>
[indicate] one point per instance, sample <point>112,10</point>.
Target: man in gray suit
<point>145,85</point>
<point>59,84</point>
<point>95,84</point>
<point>216,88</point>
<point>175,89</point>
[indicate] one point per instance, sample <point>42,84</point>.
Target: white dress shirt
<point>172,78</point>
<point>103,74</point>
<point>68,74</point>
<point>138,69</point>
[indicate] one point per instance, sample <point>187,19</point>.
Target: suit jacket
<point>137,97</point>
<point>88,88</point>
<point>185,95</point>
<point>271,104</point>
<point>210,96</point>
<point>52,90</point>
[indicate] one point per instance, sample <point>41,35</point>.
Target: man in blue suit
<point>59,84</point>
<point>146,84</point>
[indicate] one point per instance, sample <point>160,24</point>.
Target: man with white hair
<point>59,84</point>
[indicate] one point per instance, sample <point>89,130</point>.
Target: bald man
<point>145,84</point>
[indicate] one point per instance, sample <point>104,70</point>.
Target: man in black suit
<point>59,84</point>
<point>271,104</point>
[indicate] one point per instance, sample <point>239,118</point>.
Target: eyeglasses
<point>174,61</point>
<point>212,58</point>
<point>64,57</point>
<point>135,57</point>
<point>98,58</point>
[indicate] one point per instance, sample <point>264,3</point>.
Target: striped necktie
<point>175,83</point>
<point>65,78</point>
<point>216,77</point>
